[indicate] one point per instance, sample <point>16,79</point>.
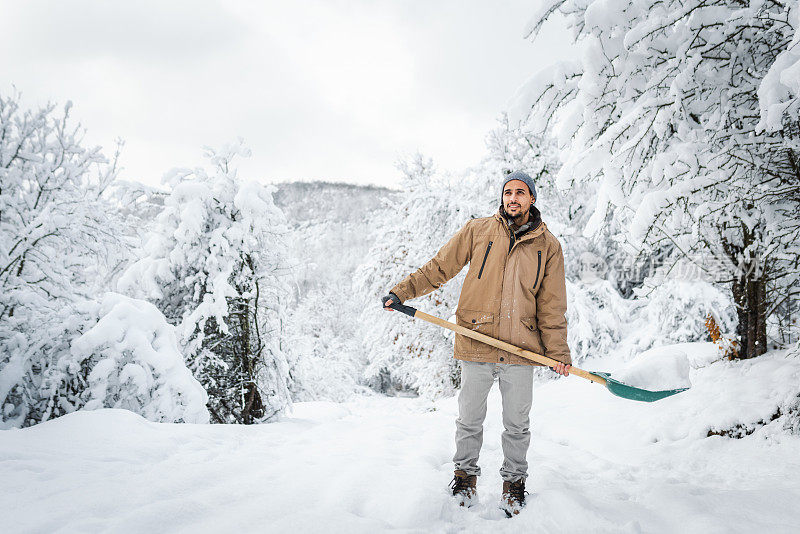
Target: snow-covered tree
<point>662,112</point>
<point>779,100</point>
<point>323,338</point>
<point>58,246</point>
<point>62,239</point>
<point>215,264</point>
<point>56,230</point>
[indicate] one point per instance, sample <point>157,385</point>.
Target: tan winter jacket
<point>518,296</point>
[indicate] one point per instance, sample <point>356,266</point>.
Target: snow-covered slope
<point>598,464</point>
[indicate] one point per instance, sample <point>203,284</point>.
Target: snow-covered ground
<point>598,464</point>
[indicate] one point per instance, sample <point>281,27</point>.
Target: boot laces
<point>517,491</point>
<point>459,484</point>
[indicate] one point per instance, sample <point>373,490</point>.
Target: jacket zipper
<point>488,248</point>
<point>538,267</point>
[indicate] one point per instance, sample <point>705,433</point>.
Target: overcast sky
<point>327,89</point>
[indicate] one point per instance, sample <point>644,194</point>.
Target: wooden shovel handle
<point>508,347</point>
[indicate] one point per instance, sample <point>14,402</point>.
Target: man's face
<point>517,198</point>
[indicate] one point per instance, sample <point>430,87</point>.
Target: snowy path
<point>598,464</point>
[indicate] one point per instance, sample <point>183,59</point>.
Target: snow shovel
<point>614,386</point>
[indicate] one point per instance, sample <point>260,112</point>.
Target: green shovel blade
<point>629,392</point>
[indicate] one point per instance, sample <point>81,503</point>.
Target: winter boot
<point>464,487</point>
<point>513,496</point>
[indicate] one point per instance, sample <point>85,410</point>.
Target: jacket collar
<point>537,227</point>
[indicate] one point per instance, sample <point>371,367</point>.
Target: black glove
<point>392,296</point>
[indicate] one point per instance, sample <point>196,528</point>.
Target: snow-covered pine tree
<point>662,111</point>
<point>216,265</point>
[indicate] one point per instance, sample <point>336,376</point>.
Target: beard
<point>518,217</point>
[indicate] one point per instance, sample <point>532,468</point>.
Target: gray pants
<point>516,389</point>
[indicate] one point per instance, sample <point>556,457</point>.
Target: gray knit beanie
<point>519,175</point>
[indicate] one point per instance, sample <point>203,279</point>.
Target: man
<point>514,291</point>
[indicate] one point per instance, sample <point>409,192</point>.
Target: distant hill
<point>331,201</point>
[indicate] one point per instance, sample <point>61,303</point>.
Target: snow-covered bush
<point>113,353</point>
<point>673,303</point>
<point>37,381</point>
<point>135,363</point>
<point>322,335</point>
<point>675,311</point>
<point>597,319</point>
<point>216,265</point>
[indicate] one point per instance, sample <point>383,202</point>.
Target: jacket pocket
<point>538,268</point>
<point>478,321</point>
<point>486,255</point>
<point>530,337</point>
